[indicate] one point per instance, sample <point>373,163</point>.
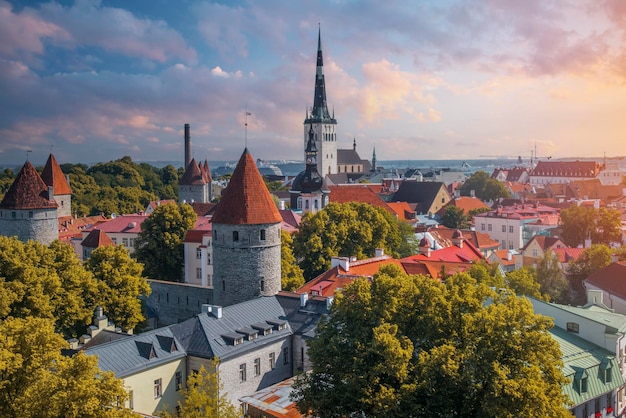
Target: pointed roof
<point>320,111</point>
<point>28,191</point>
<point>97,238</point>
<point>207,171</point>
<point>193,176</point>
<point>53,176</point>
<point>246,200</point>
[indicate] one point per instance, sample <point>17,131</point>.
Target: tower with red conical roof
<point>53,176</point>
<point>246,238</point>
<point>28,209</point>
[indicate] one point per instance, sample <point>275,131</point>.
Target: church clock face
<point>310,160</point>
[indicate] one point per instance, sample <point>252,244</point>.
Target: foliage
<point>37,381</point>
<point>121,282</point>
<point>485,188</point>
<point>119,186</point>
<point>455,218</point>
<point>159,245</point>
<point>348,229</point>
<point>291,274</point>
<point>577,223</point>
<point>592,259</point>
<point>46,282</point>
<point>551,279</point>
<point>410,346</point>
<point>202,398</point>
<point>524,282</point>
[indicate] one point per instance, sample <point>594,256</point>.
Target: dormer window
<point>606,370</point>
<point>581,381</point>
<point>233,338</point>
<point>277,324</point>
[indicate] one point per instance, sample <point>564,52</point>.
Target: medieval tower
<point>324,125</point>
<point>28,209</point>
<point>195,184</point>
<point>53,176</point>
<point>246,238</point>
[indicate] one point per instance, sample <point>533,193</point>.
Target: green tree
<point>484,187</point>
<point>551,279</point>
<point>348,229</point>
<point>159,246</point>
<point>121,284</point>
<point>37,381</point>
<point>454,217</point>
<point>47,282</point>
<point>202,398</point>
<point>410,346</point>
<point>592,259</point>
<point>291,274</point>
<point>608,227</point>
<point>524,282</point>
<point>576,224</point>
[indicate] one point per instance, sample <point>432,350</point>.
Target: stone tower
<point>246,238</point>
<point>195,184</point>
<point>28,209</point>
<point>324,125</point>
<point>53,176</point>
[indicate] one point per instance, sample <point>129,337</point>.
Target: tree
<point>484,187</point>
<point>592,259</point>
<point>36,380</point>
<point>608,227</point>
<point>551,279</point>
<point>524,282</point>
<point>121,284</point>
<point>291,274</point>
<point>576,223</point>
<point>410,346</point>
<point>159,246</point>
<point>202,398</point>
<point>46,282</point>
<point>455,218</point>
<point>348,229</point>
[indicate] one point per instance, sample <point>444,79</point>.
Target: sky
<point>94,81</point>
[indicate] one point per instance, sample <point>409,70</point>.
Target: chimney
<point>594,296</point>
<point>509,256</point>
<point>187,146</point>
<point>214,310</point>
<point>281,205</point>
<point>304,297</point>
<point>473,193</point>
<point>379,252</point>
<point>457,193</point>
<point>343,262</point>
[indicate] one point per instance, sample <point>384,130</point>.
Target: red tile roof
<point>96,239</point>
<point>122,223</point>
<point>466,254</point>
<point>193,175</point>
<point>28,191</point>
<point>465,203</point>
<point>202,227</point>
<point>70,226</point>
<point>53,176</point>
<point>566,255</point>
<point>566,169</point>
<point>360,193</point>
<point>246,200</point>
<point>611,279</point>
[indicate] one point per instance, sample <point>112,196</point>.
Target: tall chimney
<point>187,146</point>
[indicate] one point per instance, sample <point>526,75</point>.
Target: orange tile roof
<point>503,255</point>
<point>246,200</point>
<point>566,255</point>
<point>70,226</point>
<point>96,239</point>
<point>464,202</point>
<point>53,176</point>
<point>435,268</point>
<point>28,191</point>
<point>360,193</point>
<point>402,210</point>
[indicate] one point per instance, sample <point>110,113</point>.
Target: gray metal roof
<point>127,356</point>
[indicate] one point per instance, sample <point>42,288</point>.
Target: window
<point>262,285</point>
<point>242,372</point>
<point>198,253</point>
<point>199,273</point>
<point>286,355</point>
<point>572,327</point>
<point>131,400</point>
<point>235,235</point>
<point>535,254</point>
<point>262,234</point>
<point>511,229</point>
<point>208,259</point>
<point>125,242</point>
<point>114,240</point>
<point>209,281</point>
<point>223,285</point>
<point>510,245</point>
<point>30,214</point>
<point>257,366</point>
<point>13,215</point>
<point>179,380</point>
<point>489,227</point>
<point>503,228</point>
<point>158,389</point>
<point>583,384</point>
<point>272,361</point>
<point>482,227</point>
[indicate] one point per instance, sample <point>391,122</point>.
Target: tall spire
<point>320,107</point>
<point>374,159</point>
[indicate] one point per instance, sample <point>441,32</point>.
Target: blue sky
<point>97,80</point>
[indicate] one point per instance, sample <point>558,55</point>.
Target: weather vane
<point>246,126</point>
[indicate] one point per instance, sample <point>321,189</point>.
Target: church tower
<point>246,238</point>
<point>324,125</point>
<point>308,193</point>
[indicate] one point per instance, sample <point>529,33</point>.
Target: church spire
<point>320,107</point>
<point>374,159</point>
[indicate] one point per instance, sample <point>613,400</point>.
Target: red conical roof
<point>246,200</point>
<point>97,239</point>
<point>28,191</point>
<point>53,176</point>
<point>193,176</point>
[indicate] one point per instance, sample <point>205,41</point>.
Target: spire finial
<point>246,125</point>
<point>27,153</point>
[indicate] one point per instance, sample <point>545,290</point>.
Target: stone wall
<point>246,262</point>
<point>175,302</point>
<point>195,193</point>
<point>37,224</point>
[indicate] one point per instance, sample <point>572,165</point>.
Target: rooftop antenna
<point>246,125</point>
